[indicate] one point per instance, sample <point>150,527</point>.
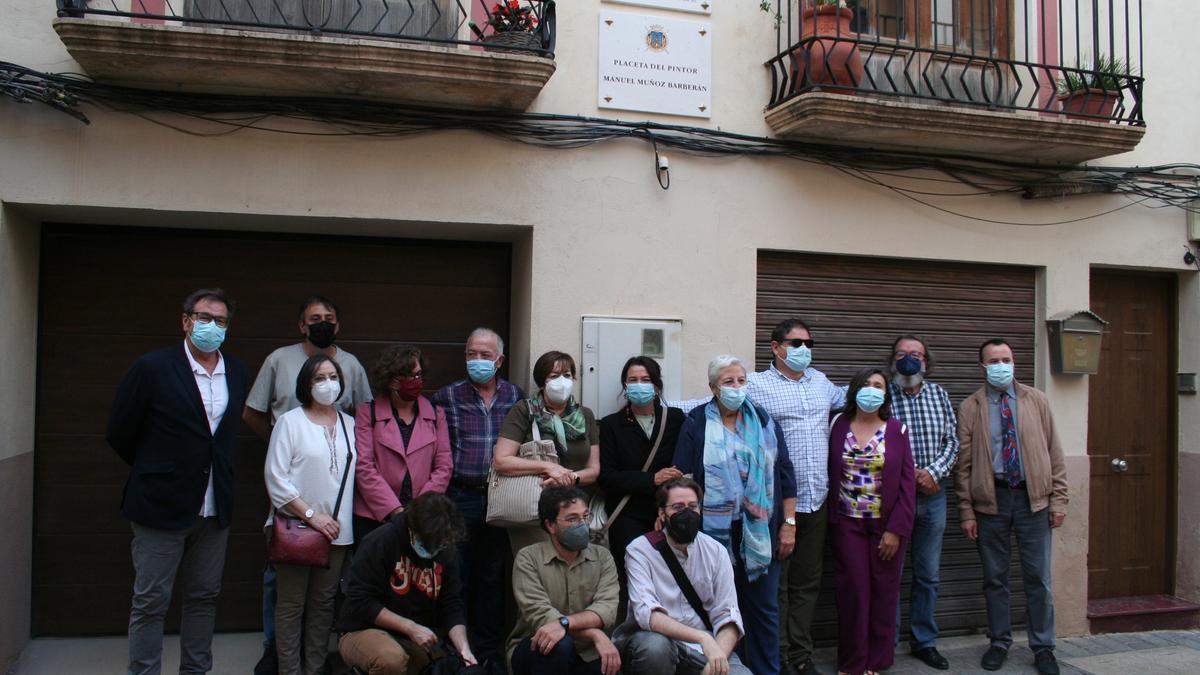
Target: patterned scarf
<point>571,425</point>
<point>739,482</point>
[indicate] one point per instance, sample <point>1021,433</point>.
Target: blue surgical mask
<point>481,370</point>
<point>207,336</point>
<point>869,399</point>
<point>999,375</point>
<point>419,548</point>
<point>798,358</point>
<point>639,393</point>
<point>732,397</point>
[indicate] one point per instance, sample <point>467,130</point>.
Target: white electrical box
<point>609,341</point>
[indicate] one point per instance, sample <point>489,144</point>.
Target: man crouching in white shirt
<point>683,613</point>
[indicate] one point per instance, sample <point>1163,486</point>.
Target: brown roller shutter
<point>856,307</point>
<point>108,295</point>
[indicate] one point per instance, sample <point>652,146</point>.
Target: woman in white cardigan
<point>306,460</point>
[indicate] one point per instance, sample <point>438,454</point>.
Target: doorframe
<point>1172,463</point>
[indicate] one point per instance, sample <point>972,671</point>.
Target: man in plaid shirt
<point>475,409</point>
<point>926,409</point>
<point>800,398</point>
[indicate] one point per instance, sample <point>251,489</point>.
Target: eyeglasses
<point>920,356</point>
<point>681,506</point>
<point>798,342</point>
<point>205,317</point>
<point>407,378</point>
<point>572,521</point>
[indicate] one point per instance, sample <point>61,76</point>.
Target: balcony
<point>442,53</point>
<point>1042,81</point>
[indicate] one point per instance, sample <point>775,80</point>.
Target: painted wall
<point>593,232</point>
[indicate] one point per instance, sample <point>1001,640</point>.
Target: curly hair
<point>394,361</point>
<point>435,520</point>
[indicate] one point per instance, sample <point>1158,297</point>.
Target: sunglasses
<point>798,342</point>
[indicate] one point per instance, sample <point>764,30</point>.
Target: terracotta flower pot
<point>1090,104</point>
<point>828,61</point>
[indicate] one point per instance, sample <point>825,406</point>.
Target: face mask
<point>419,548</point>
<point>481,370</point>
<point>559,389</point>
<point>409,390</point>
<point>869,399</point>
<point>732,397</point>
<point>999,375</point>
<point>576,537</point>
<point>798,358</point>
<point>321,335</point>
<point>684,526</point>
<point>207,336</point>
<point>909,365</point>
<point>326,392</point>
<point>639,393</point>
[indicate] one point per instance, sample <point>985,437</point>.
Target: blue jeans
<point>995,551</point>
<point>481,562</point>
<point>929,526</point>
<point>758,601</point>
<point>562,660</point>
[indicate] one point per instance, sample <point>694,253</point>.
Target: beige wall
<point>593,233</point>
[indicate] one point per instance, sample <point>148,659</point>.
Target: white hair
<point>483,332</point>
<point>720,363</point>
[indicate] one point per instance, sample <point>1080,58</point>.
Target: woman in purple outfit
<point>872,499</point>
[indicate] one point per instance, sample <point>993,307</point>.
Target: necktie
<point>1008,435</point>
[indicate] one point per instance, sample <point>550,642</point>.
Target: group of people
<point>718,509</point>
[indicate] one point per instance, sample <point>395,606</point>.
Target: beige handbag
<point>513,500</point>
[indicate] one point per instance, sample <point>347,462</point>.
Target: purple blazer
<point>899,476</point>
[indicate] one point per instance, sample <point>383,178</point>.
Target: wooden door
<point>110,294</point>
<point>1131,438</point>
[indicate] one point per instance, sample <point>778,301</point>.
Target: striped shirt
<point>932,429</point>
<point>474,427</point>
<point>801,408</point>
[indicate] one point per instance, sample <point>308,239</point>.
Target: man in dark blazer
<point>173,420</point>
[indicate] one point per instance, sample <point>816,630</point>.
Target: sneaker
<point>932,658</point>
<point>1045,662</point>
<point>993,658</point>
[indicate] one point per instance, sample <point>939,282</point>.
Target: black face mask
<point>321,334</point>
<point>684,526</point>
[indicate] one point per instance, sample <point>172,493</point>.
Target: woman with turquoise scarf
<point>572,426</point>
<point>737,452</point>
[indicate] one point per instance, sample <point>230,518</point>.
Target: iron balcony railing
<point>1079,58</point>
<point>519,26</point>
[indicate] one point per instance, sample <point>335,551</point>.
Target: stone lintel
<point>269,63</point>
<point>876,122</point>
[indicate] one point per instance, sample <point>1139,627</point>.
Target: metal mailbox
<point>1075,339</point>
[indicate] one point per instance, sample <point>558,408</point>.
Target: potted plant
<point>828,52</point>
<point>1092,94</point>
<point>513,25</point>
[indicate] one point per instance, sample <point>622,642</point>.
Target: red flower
<point>513,4</point>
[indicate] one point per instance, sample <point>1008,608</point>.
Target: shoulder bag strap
<point>662,430</point>
<point>664,549</point>
<point>349,458</point>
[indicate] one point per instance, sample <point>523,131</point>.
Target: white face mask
<point>559,389</point>
<point>326,392</point>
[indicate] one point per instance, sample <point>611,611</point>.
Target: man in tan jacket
<point>1011,478</point>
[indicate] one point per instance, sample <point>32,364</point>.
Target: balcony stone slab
<point>889,124</point>
<point>267,63</point>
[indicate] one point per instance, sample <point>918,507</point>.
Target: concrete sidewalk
<point>1154,653</point>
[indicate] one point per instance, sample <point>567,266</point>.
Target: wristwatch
<point>790,520</point>
<point>564,622</point>
<point>309,514</point>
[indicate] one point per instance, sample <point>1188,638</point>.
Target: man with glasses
<point>925,408</point>
<point>566,591</point>
<point>800,399</point>
<point>170,423</point>
<point>274,393</point>
<point>669,569</point>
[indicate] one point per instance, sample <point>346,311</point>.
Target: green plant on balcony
<point>1092,94</point>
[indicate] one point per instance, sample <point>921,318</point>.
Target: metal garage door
<point>856,307</point>
<point>110,294</point>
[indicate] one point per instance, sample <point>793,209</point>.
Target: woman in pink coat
<point>403,442</point>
